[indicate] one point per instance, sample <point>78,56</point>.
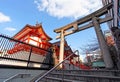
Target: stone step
<point>84,77</point>
<point>91,72</point>
<point>54,79</point>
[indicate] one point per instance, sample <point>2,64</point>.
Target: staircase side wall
<point>6,73</point>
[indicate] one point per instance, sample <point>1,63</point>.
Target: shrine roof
<point>58,43</point>
<point>28,28</point>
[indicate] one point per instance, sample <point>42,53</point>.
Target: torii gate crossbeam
<point>92,20</point>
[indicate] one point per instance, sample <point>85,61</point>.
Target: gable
<point>28,29</point>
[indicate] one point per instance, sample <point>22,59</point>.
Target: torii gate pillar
<point>61,54</point>
<point>103,46</point>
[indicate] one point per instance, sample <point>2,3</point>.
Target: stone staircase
<point>61,76</point>
<point>82,76</point>
<point>78,75</point>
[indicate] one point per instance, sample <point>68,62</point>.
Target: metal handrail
<point>55,66</point>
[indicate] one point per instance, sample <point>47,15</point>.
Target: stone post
<point>102,43</point>
<point>61,54</point>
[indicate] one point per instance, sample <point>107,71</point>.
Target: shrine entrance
<point>91,20</point>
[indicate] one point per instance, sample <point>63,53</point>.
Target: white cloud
<point>10,29</point>
<point>68,8</point>
<point>4,18</point>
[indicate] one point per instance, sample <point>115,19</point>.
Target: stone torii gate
<point>91,20</point>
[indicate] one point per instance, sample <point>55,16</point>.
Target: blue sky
<point>15,14</point>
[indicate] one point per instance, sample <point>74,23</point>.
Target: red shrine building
<point>36,36</point>
<point>30,35</point>
<point>33,35</point>
<point>73,60</point>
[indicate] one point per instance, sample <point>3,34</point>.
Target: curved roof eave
<point>32,27</point>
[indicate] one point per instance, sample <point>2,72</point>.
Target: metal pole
<point>103,46</point>
<point>61,54</point>
<point>79,61</point>
<point>29,57</point>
